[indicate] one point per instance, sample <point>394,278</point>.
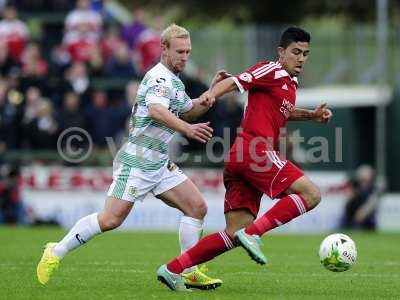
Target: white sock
<point>85,229</point>
<point>190,231</point>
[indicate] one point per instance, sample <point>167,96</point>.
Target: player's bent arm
<point>223,87</point>
<point>321,114</point>
<point>202,105</point>
<point>197,111</point>
<point>200,132</point>
<point>161,114</point>
<point>301,114</point>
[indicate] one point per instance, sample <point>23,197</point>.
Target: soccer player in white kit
<point>142,164</point>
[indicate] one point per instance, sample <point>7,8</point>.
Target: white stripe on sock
<point>226,239</point>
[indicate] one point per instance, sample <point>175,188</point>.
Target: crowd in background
<point>47,89</point>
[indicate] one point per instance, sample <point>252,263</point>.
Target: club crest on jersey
<point>245,77</point>
<point>284,87</point>
<point>160,91</point>
<point>132,191</point>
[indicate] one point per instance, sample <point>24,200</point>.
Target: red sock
<point>283,211</point>
<point>206,249</point>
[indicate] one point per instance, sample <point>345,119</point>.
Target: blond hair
<point>173,31</point>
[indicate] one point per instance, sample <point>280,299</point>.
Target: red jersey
<point>271,99</point>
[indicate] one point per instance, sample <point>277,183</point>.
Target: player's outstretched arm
<point>200,107</point>
<point>320,114</point>
<point>219,89</point>
<point>202,104</point>
<point>200,131</point>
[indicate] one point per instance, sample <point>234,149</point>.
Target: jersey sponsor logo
<point>286,108</point>
<point>245,77</point>
<point>161,91</point>
<point>161,80</point>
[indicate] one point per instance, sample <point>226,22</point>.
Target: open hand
<point>221,74</point>
<point>200,132</point>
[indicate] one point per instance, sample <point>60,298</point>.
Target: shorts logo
<point>161,91</point>
<point>132,191</point>
<point>245,77</point>
<point>171,166</point>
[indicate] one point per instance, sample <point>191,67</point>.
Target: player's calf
<point>312,196</point>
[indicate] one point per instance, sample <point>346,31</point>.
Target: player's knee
<point>110,222</point>
<point>199,210</point>
<point>202,209</point>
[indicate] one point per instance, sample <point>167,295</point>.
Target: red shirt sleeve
<point>259,75</point>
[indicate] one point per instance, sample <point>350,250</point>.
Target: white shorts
<point>132,184</point>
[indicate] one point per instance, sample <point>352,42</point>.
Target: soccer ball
<point>337,252</point>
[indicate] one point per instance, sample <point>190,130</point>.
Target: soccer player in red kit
<point>254,165</point>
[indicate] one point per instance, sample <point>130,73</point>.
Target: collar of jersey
<point>282,73</point>
<point>168,70</point>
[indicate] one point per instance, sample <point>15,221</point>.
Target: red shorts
<point>246,184</point>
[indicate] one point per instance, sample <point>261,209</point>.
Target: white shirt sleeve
<point>188,104</point>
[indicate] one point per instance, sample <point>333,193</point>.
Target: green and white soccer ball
<point>338,252</point>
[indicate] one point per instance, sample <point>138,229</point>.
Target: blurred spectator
<point>148,48</point>
<point>362,203</point>
<point>10,116</point>
<point>43,5</point>
<point>131,92</point>
<point>121,65</point>
<point>34,69</point>
<point>77,80</point>
<point>40,133</point>
<point>194,83</point>
<point>83,20</point>
<point>70,114</point>
<point>7,65</point>
<point>83,28</point>
<point>13,33</point>
<point>11,211</point>
<point>131,32</point>
<point>110,42</point>
<point>60,58</point>
<point>2,4</point>
<point>100,6</point>
<point>32,99</point>
<point>103,120</point>
<point>33,64</point>
<point>226,116</point>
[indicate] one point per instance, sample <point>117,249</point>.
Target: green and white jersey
<point>147,146</point>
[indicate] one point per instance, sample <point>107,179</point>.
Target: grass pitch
<point>122,265</point>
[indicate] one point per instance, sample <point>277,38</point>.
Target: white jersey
<point>147,146</point>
